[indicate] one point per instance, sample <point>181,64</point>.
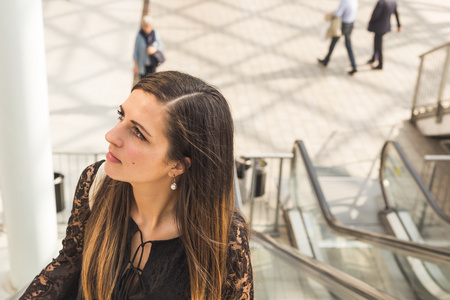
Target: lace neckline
<point>132,275</point>
<point>133,228</point>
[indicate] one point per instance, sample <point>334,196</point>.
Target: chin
<point>111,170</point>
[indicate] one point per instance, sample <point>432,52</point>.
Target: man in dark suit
<point>380,23</point>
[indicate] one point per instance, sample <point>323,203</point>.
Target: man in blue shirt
<point>347,12</point>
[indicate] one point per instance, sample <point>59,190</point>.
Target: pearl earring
<point>173,186</point>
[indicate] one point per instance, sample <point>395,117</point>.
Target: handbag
<point>159,57</point>
<point>334,29</point>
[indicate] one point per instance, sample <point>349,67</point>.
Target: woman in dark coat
<point>380,23</point>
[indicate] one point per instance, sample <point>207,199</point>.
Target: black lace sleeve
<point>239,282</point>
<point>59,280</point>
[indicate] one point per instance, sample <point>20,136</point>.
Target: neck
<point>153,208</point>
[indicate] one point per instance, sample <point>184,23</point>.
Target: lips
<point>111,158</point>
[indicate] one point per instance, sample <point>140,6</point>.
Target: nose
<point>113,136</point>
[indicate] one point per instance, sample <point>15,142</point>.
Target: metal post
<point>416,90</point>
<point>423,215</point>
<point>276,230</point>
<point>252,192</point>
<point>433,171</point>
<point>442,85</point>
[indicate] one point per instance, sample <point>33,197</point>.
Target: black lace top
<point>164,276</point>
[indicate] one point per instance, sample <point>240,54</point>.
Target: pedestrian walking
<point>347,12</point>
<point>380,24</point>
<point>147,43</point>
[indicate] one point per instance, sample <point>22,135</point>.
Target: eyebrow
<point>140,127</point>
<point>135,123</point>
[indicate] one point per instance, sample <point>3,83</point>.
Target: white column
<point>26,176</point>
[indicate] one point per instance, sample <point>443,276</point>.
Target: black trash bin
<point>59,191</point>
<point>242,165</point>
<point>260,186</point>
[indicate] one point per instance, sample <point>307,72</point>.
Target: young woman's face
<point>138,145</point>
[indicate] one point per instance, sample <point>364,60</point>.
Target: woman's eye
<point>138,134</point>
<point>121,114</point>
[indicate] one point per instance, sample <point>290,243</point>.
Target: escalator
<point>406,195</point>
<point>280,272</point>
<point>403,267</point>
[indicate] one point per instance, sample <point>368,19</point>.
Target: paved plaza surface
<point>262,54</point>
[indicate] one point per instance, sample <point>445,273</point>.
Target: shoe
<point>377,68</point>
<point>370,61</point>
<point>352,72</point>
<point>322,62</point>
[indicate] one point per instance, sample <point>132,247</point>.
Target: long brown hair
<point>200,127</point>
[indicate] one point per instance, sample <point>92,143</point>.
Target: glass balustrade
<point>404,193</point>
<point>402,276</point>
<point>278,278</point>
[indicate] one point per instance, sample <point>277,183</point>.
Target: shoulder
<point>348,3</point>
<point>90,172</point>
<point>97,181</point>
<point>87,177</point>
<point>379,4</point>
<point>140,38</point>
<point>239,234</point>
<point>239,282</point>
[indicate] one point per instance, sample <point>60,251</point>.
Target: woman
<point>157,219</point>
<point>147,43</point>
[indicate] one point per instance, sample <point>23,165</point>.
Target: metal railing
<point>256,160</point>
<point>71,165</point>
<point>416,187</point>
<point>331,277</point>
<point>436,171</point>
<point>432,91</point>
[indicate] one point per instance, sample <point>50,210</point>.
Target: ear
<point>187,162</point>
<point>178,167</point>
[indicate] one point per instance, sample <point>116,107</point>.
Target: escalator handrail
<point>322,272</point>
<point>427,194</point>
<point>425,252</point>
